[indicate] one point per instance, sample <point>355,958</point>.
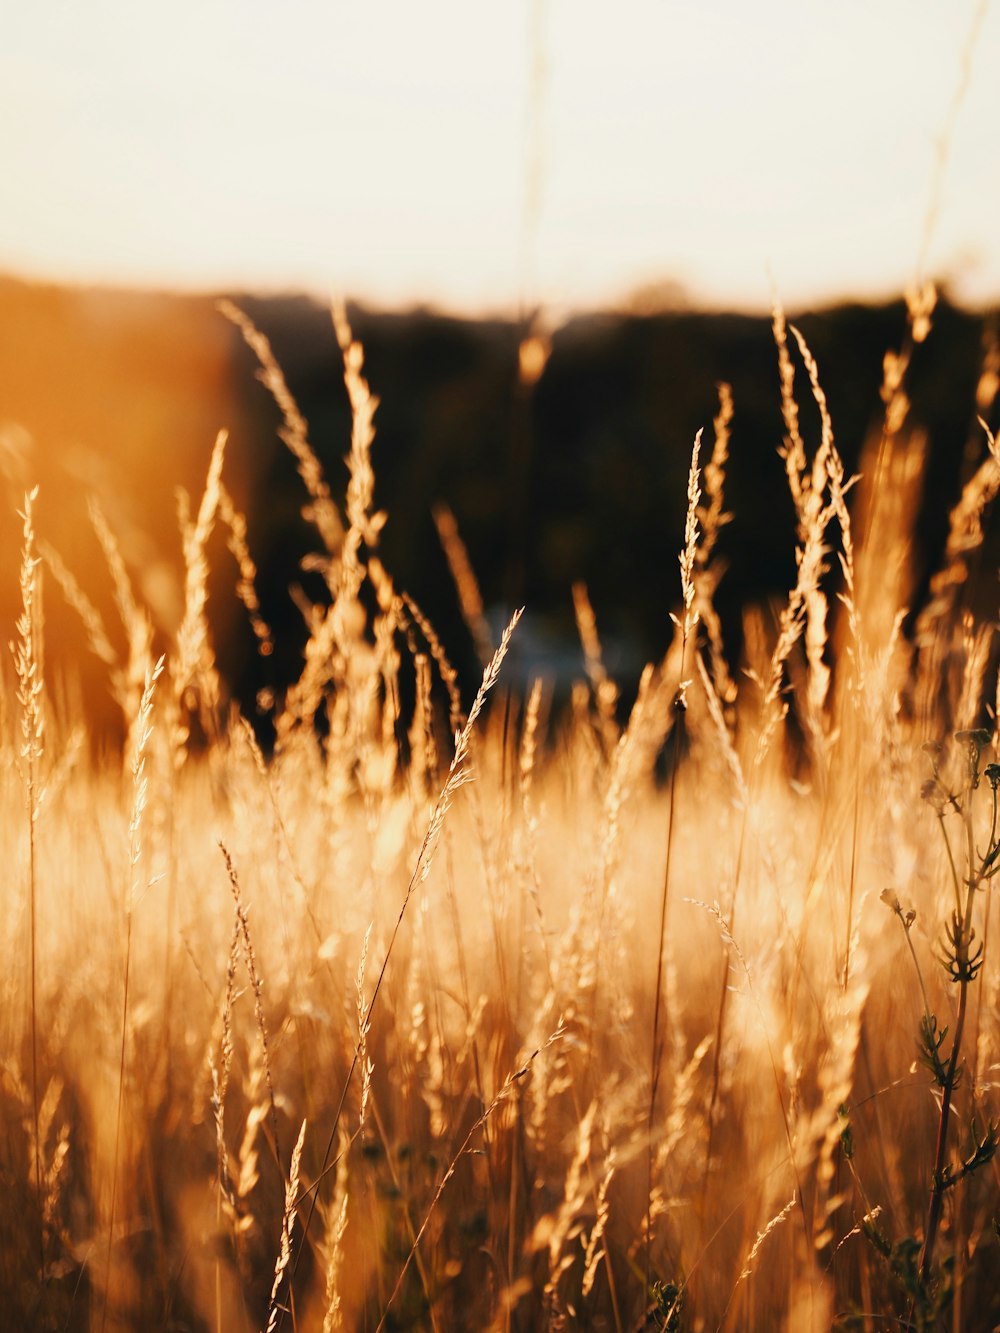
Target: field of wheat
<point>674,1012</point>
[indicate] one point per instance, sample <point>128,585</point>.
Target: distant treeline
<point>584,477</point>
<point>580,477</point>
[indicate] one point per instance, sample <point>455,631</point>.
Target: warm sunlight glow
<point>474,155</point>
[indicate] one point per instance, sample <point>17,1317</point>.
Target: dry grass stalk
<point>557,1229</point>
<point>631,754</point>
<point>246,586</point>
<point>965,535</point>
<point>287,1223</point>
<point>529,737</point>
<point>30,696</point>
<point>921,298</point>
<point>294,433</point>
<point>250,961</point>
<point>977,648</point>
<point>595,1250</point>
<point>364,523</point>
<point>423,764</point>
<point>466,584</point>
<point>685,626</point>
<point>712,517</point>
<point>762,1236</point>
<point>220,1087</point>
<point>821,1138</point>
<point>135,621</point>
<point>140,782</point>
<point>687,561</point>
<point>364,1027</point>
<point>448,674</point>
<point>54,1172</point>
<point>526,769</point>
<point>806,607</point>
<point>814,517</point>
<point>97,636</point>
<point>731,758</point>
<point>254,1127</point>
<point>222,1070</point>
<point>793,449</point>
<point>335,637</point>
<point>385,759</point>
<point>605,689</point>
<point>194,678</point>
<point>333,1246</point>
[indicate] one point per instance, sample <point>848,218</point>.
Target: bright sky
<point>384,146</point>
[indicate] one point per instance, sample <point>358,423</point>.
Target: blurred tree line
<point>582,477</point>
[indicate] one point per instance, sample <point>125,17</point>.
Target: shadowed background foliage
<point>582,478</point>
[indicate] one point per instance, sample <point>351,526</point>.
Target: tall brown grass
<point>621,1051</point>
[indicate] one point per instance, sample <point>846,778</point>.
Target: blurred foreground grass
<point>480,1014</point>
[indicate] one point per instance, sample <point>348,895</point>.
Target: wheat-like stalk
<point>30,692</point>
<point>294,432</point>
<point>335,633</point>
<point>712,517</point>
<point>965,535</point>
<point>470,599</point>
<point>688,560</point>
<point>793,449</point>
<point>334,1247</point>
<point>135,621</point>
<point>287,1223</point>
<point>686,626</point>
<point>97,636</point>
<point>193,665</point>
<point>220,1087</point>
<point>246,586</point>
<point>448,674</point>
<point>758,1244</point>
<point>364,523</point>
<point>605,689</point>
<point>256,985</point>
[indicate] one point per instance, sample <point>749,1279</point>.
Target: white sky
<point>382,146</point>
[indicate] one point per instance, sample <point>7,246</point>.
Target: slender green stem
<point>963,973</point>
<point>920,975</point>
<point>951,862</point>
<point>993,826</point>
<point>941,1148</point>
<point>973,880</point>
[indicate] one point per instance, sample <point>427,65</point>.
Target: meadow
<point>671,1012</point>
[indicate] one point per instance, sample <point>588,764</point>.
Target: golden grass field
<point>478,1014</point>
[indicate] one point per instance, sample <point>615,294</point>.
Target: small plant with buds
<point>940,1047</point>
